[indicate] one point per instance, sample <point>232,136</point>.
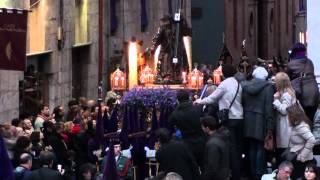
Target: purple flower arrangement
<point>149,98</point>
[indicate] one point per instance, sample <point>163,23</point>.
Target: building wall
<point>9,80</point>
<point>56,64</point>
<point>267,26</point>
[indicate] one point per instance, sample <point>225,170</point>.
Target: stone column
<point>313,34</point>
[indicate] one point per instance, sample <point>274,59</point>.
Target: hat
<point>298,51</point>
<point>298,47</point>
<point>260,73</point>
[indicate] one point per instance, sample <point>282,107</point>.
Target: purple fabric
<point>298,55</point>
<point>6,169</point>
<point>154,127</point>
<point>144,16</point>
<point>125,129</point>
<point>298,47</point>
<point>93,145</point>
<point>112,123</point>
<point>99,127</point>
<point>110,168</point>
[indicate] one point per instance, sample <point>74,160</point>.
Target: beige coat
<point>302,142</point>
<point>283,129</point>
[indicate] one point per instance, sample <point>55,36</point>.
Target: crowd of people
<point>241,128</point>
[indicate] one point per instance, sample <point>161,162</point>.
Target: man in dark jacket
<point>175,156</point>
<point>186,118</point>
<point>216,152</point>
<point>257,97</point>
<point>300,69</point>
<point>23,170</point>
<point>45,172</point>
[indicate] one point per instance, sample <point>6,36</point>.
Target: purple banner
<point>13,39</point>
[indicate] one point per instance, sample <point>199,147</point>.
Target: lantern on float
<point>146,76</point>
<point>195,79</point>
<point>217,74</point>
<point>118,80</point>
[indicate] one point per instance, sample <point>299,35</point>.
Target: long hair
<point>297,115</point>
<point>283,84</point>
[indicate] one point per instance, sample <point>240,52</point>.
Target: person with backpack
<point>300,70</point>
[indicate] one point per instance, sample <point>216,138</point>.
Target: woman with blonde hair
<point>283,98</point>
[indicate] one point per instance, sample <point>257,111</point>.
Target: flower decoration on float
<point>118,79</point>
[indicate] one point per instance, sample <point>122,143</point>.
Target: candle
<point>184,80</point>
<point>116,83</point>
<point>193,81</point>
<point>122,82</point>
<point>200,81</point>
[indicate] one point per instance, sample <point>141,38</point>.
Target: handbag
<point>223,114</point>
<point>269,142</point>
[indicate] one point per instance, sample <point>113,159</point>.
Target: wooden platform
<point>171,86</point>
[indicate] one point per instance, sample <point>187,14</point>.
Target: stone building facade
<point>63,35</point>
<point>268,26</point>
<point>62,56</point>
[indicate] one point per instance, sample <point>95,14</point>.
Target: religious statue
<point>172,47</point>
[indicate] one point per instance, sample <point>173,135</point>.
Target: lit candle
<point>184,79</point>
<point>193,81</point>
<point>116,79</point>
<point>122,82</point>
<point>200,81</point>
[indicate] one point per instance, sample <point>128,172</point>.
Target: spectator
<point>43,115</point>
<point>27,127</point>
<point>186,118</point>
<point>87,172</point>
<point>58,114</point>
<point>23,170</point>
<point>283,98</point>
<point>301,71</point>
<point>46,171</point>
<point>216,152</point>
<point>173,176</point>
<point>175,156</point>
<point>257,98</point>
<point>301,140</point>
<point>282,173</point>
<point>311,172</point>
<point>228,91</point>
<point>23,145</point>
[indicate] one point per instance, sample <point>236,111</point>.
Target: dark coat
<point>257,99</point>
<point>45,173</point>
<point>216,156</point>
<point>310,94</point>
<point>59,148</point>
<point>176,157</point>
<point>186,118</point>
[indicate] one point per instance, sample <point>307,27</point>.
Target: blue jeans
<point>257,157</point>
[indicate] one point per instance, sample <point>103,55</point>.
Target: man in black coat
<point>257,98</point>
<point>217,150</point>
<point>174,156</point>
<point>45,172</point>
<point>186,118</point>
